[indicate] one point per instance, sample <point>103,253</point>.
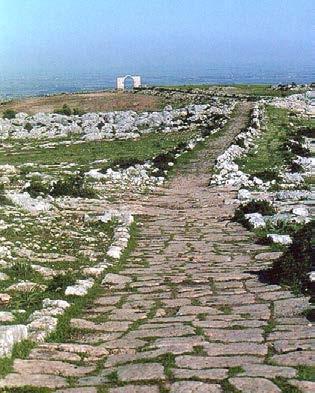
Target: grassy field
<point>87,102</point>
<point>103,101</point>
<point>83,154</point>
<point>269,154</point>
<point>250,89</point>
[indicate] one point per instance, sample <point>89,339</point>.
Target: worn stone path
<point>187,312</point>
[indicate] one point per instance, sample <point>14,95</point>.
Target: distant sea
<point>19,85</point>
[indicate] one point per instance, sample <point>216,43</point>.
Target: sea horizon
<point>14,86</point>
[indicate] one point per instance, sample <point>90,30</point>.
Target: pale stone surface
<point>262,370</point>
<point>199,362</point>
<point>136,389</point>
<point>114,279</point>
<point>195,387</point>
<point>140,372</point>
<point>254,385</point>
<point>78,390</point>
<point>300,358</point>
<point>205,374</point>
<point>54,367</point>
<point>303,386</point>
<point>33,379</point>
<point>239,348</point>
<point>290,307</point>
<point>9,335</point>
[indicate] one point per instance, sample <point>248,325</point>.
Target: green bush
<point>65,110</point>
<point>293,266</point>
<point>72,185</point>
<point>78,111</point>
<point>37,188</point>
<point>28,126</point>
<point>9,114</point>
<point>3,199</point>
<point>267,175</point>
<point>263,207</point>
<point>60,282</point>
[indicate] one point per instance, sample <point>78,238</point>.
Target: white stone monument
<point>120,81</point>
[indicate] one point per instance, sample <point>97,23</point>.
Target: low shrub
<point>295,167</point>
<point>65,110</point>
<point>28,127</point>
<point>123,163</point>
<point>61,281</point>
<point>267,175</point>
<point>72,185</point>
<point>36,188</point>
<point>161,162</point>
<point>78,111</point>
<point>293,266</point>
<point>3,199</point>
<point>295,147</point>
<point>263,207</point>
<point>9,114</point>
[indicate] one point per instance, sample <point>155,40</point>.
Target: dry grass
<point>88,102</point>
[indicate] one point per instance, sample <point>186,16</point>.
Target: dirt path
<point>187,312</point>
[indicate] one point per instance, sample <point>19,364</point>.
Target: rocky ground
<point>173,302</point>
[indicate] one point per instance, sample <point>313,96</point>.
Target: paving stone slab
<point>262,370</point>
<point>254,385</point>
<point>15,380</point>
<point>200,362</point>
<point>141,372</point>
<point>136,389</point>
<point>225,335</point>
<point>195,387</point>
<point>290,307</point>
<point>54,367</point>
<point>298,358</point>
<point>283,346</point>
<point>303,386</point>
<point>239,348</point>
<point>206,374</point>
<point>78,390</point>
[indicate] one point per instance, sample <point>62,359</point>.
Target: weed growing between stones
<point>306,373</point>
<point>64,331</point>
<point>20,350</point>
<point>285,386</point>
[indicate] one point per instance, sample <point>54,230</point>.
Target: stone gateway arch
<point>120,81</point>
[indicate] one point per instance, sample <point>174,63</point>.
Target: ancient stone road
<point>187,312</point>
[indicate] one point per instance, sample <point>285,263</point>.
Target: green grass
<point>255,90</point>
<point>83,154</point>
<point>285,386</point>
<point>306,373</point>
<point>65,331</point>
<point>20,350</point>
<point>225,308</point>
<point>233,371</point>
<point>269,155</point>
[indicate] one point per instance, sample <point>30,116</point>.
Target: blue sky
<point>39,36</point>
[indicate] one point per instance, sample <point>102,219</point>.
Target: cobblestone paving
<point>187,312</point>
